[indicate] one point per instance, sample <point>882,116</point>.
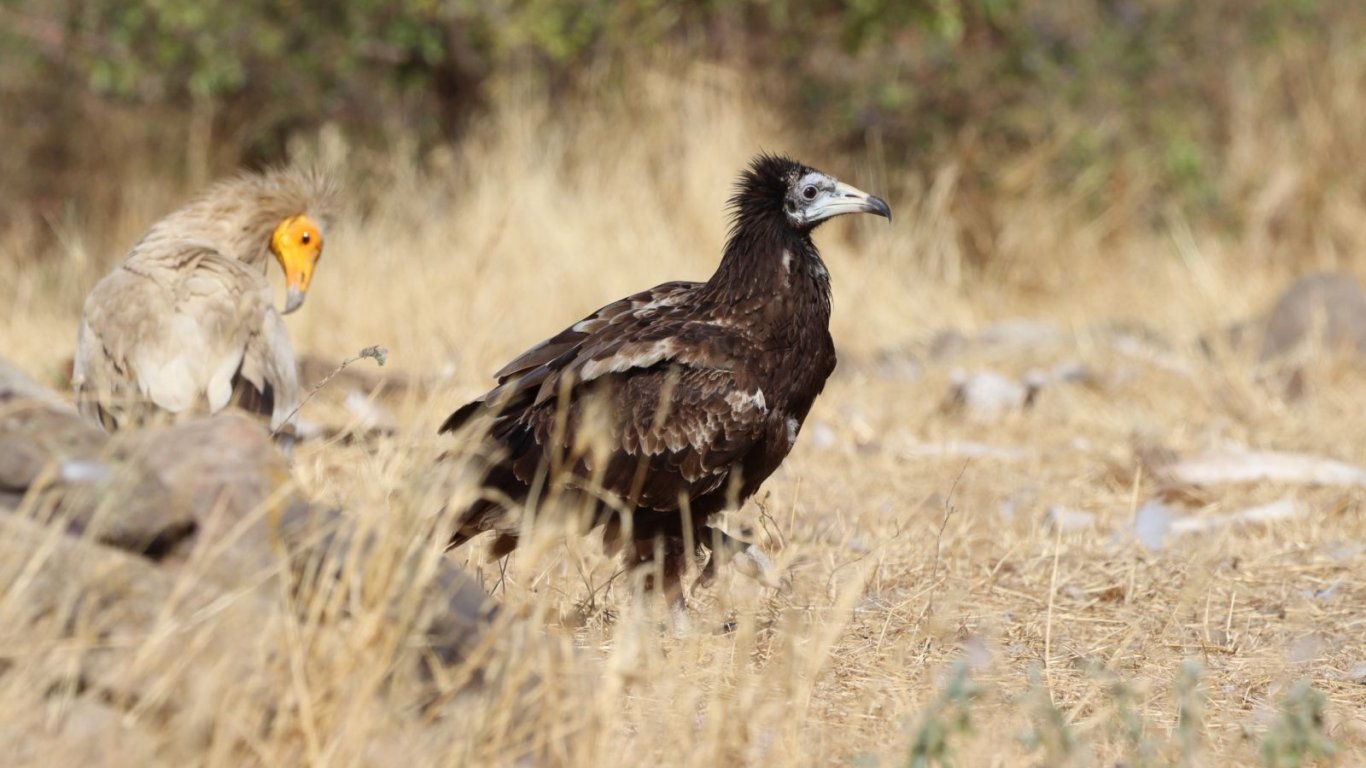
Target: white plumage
<point>186,322</point>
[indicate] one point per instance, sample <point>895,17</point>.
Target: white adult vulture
<point>186,323</point>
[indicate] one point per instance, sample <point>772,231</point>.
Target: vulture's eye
<point>305,238</point>
<point>809,193</point>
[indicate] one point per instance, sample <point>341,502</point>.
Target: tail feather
<point>462,414</point>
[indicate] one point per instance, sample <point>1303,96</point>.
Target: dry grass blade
<point>377,353</point>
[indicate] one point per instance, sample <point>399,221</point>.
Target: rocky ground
<point>1020,543</point>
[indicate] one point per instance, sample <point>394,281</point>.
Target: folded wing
<point>179,333</point>
<point>641,402</point>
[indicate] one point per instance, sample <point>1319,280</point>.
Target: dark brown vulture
<point>675,403</point>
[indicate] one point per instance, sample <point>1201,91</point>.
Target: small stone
<point>1326,593</point>
<point>986,396</point>
<point>1064,519</point>
<point>1151,524</point>
<point>1074,372</point>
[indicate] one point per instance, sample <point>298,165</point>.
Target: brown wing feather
<point>571,337</point>
<point>664,432</point>
<point>537,371</point>
<point>660,405</point>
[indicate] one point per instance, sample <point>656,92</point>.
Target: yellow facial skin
<point>297,244</point>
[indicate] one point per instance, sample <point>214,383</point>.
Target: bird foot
<point>706,577</point>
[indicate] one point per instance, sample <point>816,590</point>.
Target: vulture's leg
<point>503,545</point>
<point>672,567</point>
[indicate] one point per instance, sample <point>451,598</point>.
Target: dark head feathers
<point>764,184</point>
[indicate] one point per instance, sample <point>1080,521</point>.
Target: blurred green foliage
<point>969,81</point>
<point>1299,735</point>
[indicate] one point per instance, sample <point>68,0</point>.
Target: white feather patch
<point>630,356</point>
<point>745,401</point>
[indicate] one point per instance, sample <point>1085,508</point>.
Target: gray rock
<point>987,396</point>
<point>1065,519</point>
<point>1322,313</point>
<point>1325,308</point>
<point>14,383</point>
<point>1152,523</point>
<point>212,499</point>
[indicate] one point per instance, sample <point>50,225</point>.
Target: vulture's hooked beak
<point>297,277</point>
<point>297,245</point>
<point>848,199</point>
<point>294,299</point>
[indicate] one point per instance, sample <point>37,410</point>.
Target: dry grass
<point>933,613</point>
